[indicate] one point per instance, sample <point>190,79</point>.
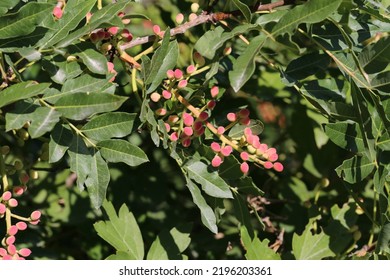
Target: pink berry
<point>256,142</point>
<point>57,12</point>
<point>227,51</point>
<point>166,94</point>
<point>94,37</point>
<point>161,112</point>
<point>211,104</point>
<point>244,156</point>
<point>220,130</point>
<point>156,29</point>
<point>227,150</point>
<point>12,202</point>
<point>216,162</point>
<point>271,151</point>
<point>245,121</point>
<point>7,258</point>
<point>170,74</point>
<point>188,119</point>
<point>179,18</point>
<point>155,97</point>
<point>273,157</point>
<point>24,252</point>
<point>34,222</point>
<point>268,165</point>
<point>190,69</point>
<point>178,74</point>
<point>231,117</point>
<point>188,131</point>
<point>278,166</point>
<point>263,147</point>
<point>214,91</point>
<point>192,16</point>
<point>12,230</point>
<point>35,215</point>
<point>215,147</point>
<point>244,167</point>
<point>7,195</point>
<point>244,113</point>
<point>174,136</point>
<point>203,116</point>
<point>113,30</point>
<point>19,190</point>
<point>167,127</point>
<point>186,142</point>
<point>199,132</point>
<point>248,131</point>
<point>21,225</point>
<point>173,119</point>
<point>197,125</point>
<point>3,252</point>
<point>11,249</point>
<point>182,84</point>
<point>110,66</point>
<point>3,208</point>
<point>126,35</point>
<point>10,240</point>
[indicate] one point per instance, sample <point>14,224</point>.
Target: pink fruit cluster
<point>8,202</point>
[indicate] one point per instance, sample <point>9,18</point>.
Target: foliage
<point>218,129</point>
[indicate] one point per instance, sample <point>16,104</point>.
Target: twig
<point>201,19</point>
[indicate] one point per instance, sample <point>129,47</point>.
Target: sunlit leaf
<point>60,140</point>
<point>43,120</point>
<point>121,231</point>
<point>347,135</point>
<point>355,169</point>
<point>21,91</point>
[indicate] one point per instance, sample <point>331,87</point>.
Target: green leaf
<point>256,249</point>
<point>384,142</point>
<point>6,5</point>
<point>121,231</point>
<point>80,160</point>
<point>109,125</point>
<point>105,15</point>
<point>162,61</point>
<point>170,244</point>
<point>120,255</point>
<point>244,9</point>
<point>21,91</point>
<point>60,139</point>
<point>244,66</point>
<point>311,12</point>
<point>307,65</point>
<point>95,61</point>
<point>206,212</point>
<point>82,105</point>
<point>384,240</point>
<point>355,169</point>
<point>42,121</point>
<point>74,12</point>
<point>25,20</point>
<point>98,180</point>
<point>20,115</point>
<point>60,71</point>
<point>376,57</point>
<point>346,135</point>
<point>117,150</point>
<point>311,247</point>
<point>213,40</point>
<point>84,83</point>
<point>242,214</point>
<point>382,82</point>
<point>17,43</point>
<point>211,182</point>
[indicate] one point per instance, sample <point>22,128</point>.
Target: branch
<point>201,19</point>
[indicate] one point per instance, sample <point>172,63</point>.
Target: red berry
<point>211,104</point>
<point>186,142</point>
<point>231,117</point>
<point>244,113</point>
<point>203,116</point>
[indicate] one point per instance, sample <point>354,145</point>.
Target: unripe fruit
<point>57,12</point>
<point>278,167</point>
<point>245,121</point>
<point>12,202</point>
<point>34,174</point>
<point>244,156</point>
<point>6,196</point>
<point>167,127</point>
<point>227,51</point>
<point>231,117</point>
<point>220,130</point>
<point>214,91</point>
<point>166,94</point>
<point>113,30</point>
<point>173,119</point>
<point>179,18</point>
<point>227,150</point>
<point>192,16</point>
<point>106,47</point>
<point>161,112</point>
<point>126,35</point>
<point>244,167</point>
<point>252,150</point>
<point>194,7</point>
<point>10,240</point>
<point>268,165</point>
<point>215,147</point>
<point>94,37</point>
<point>178,74</point>
<point>199,59</point>
<point>174,136</point>
<point>155,97</point>
<point>35,215</point>
<point>244,113</point>
<point>186,142</point>
<point>182,84</point>
<point>216,162</point>
<point>12,230</point>
<point>273,157</point>
<point>4,150</point>
<point>190,69</point>
<point>3,252</point>
<point>21,225</point>
<point>11,249</point>
<point>3,208</point>
<point>24,252</point>
<point>188,119</point>
<point>18,165</point>
<point>170,74</point>
<point>188,131</point>
<point>24,178</point>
